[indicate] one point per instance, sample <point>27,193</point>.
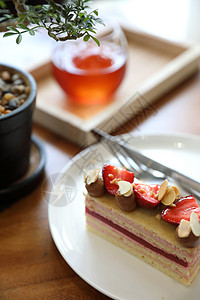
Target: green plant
<point>67,21</point>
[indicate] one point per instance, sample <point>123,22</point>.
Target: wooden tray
<point>155,66</point>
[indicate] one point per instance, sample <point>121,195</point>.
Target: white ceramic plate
<point>103,265</point>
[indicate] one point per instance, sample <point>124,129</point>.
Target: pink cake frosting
<point>143,252</point>
<point>141,241</point>
<point>191,257</point>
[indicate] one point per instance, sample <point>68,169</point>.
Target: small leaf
<point>9,34</point>
<point>8,16</point>
<point>22,26</point>
<point>19,39</point>
<point>98,20</point>
<point>31,32</point>
<point>2,4</point>
<point>96,40</point>
<point>86,38</point>
<point>38,6</point>
<point>96,12</point>
<point>35,21</point>
<point>13,29</point>
<point>32,20</point>
<point>2,19</point>
<point>91,30</point>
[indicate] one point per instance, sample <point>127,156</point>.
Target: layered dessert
<point>152,222</point>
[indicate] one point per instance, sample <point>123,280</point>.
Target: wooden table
<point>30,265</point>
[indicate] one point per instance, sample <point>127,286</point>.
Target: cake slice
<point>149,221</point>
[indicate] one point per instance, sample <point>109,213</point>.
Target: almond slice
<point>176,190</point>
<point>162,189</point>
<point>92,176</point>
<point>125,188</point>
<point>184,229</point>
<point>194,223</point>
<point>169,196</point>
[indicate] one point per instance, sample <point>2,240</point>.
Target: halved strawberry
<point>112,174</point>
<point>145,195</point>
<point>183,209</point>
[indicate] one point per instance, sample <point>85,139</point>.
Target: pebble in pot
<point>17,101</point>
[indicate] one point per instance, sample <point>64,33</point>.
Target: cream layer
<point>144,233</point>
<point>100,226</point>
<point>168,256</point>
<point>150,260</point>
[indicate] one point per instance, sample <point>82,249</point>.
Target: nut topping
<point>162,189</point>
<point>94,183</point>
<point>176,190</point>
<point>125,188</point>
<point>194,223</point>
<point>169,196</point>
<point>184,229</point>
<point>188,232</point>
<point>125,197</point>
<point>92,176</point>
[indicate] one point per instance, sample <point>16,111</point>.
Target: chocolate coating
<point>96,189</point>
<point>190,241</point>
<point>127,204</point>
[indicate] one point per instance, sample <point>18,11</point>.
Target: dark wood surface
<point>31,267</point>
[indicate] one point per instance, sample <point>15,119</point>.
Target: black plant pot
<point>15,135</point>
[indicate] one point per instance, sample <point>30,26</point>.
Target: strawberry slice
<point>183,209</point>
<point>145,195</point>
<point>112,174</point>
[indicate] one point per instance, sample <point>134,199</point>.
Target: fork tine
<point>123,159</point>
<point>132,164</point>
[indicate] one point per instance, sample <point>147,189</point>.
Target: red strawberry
<point>145,195</point>
<point>183,209</point>
<point>112,175</point>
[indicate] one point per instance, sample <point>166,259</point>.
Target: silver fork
<point>133,165</point>
<point>144,166</point>
<point>143,173</point>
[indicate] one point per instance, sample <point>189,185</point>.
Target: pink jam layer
<point>190,257</point>
<point>141,251</point>
<point>137,238</point>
